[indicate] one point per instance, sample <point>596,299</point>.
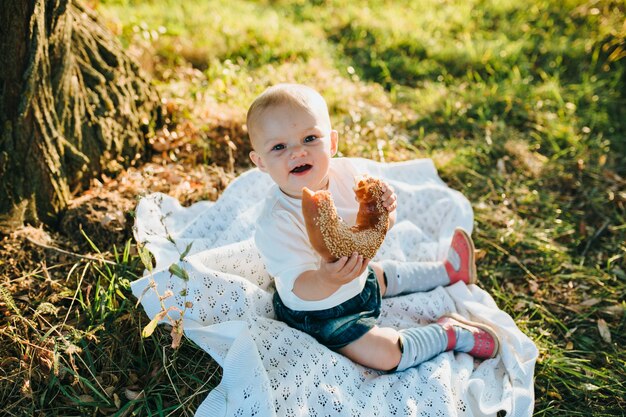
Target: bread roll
<point>331,237</point>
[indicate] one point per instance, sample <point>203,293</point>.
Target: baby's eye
<point>278,147</point>
<point>310,138</point>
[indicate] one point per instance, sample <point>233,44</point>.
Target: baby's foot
<point>461,265</point>
<point>477,339</point>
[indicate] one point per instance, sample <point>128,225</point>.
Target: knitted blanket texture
<point>270,369</point>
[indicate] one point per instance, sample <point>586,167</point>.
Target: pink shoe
<point>486,344</point>
<point>463,246</point>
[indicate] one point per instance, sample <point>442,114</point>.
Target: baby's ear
<point>256,159</point>
<point>334,142</point>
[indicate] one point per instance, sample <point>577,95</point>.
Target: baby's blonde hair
<point>297,95</point>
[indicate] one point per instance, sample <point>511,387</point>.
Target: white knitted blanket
<point>270,369</point>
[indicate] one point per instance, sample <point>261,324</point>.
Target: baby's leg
<point>407,277</point>
<point>377,349</point>
<point>387,349</point>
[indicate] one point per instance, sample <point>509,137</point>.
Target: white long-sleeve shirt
<point>283,242</point>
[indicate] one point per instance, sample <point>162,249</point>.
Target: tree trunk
<point>72,106</point>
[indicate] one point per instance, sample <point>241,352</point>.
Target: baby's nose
<point>298,152</point>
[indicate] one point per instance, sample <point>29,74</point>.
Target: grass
<point>521,106</point>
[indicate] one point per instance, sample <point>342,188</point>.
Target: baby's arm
<point>321,283</point>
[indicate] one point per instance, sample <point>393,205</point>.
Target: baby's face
<point>294,146</point>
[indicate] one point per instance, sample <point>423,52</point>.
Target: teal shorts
<point>341,325</point>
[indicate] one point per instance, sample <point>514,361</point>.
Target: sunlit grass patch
<point>200,32</point>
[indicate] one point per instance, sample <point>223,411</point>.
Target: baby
<point>338,302</point>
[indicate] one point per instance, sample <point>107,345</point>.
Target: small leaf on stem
<point>187,249</point>
<point>175,269</point>
<point>145,256</point>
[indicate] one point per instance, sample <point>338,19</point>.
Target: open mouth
<point>301,168</point>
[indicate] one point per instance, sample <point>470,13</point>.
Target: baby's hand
<point>389,197</point>
<point>343,270</point>
<point>321,283</point>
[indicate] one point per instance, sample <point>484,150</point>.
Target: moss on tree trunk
<point>72,106</point>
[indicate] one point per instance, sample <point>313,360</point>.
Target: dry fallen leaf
<point>605,333</point>
<point>479,254</point>
<point>570,332</point>
<point>590,302</point>
<point>615,310</point>
<point>519,306</point>
<point>554,394</point>
<point>177,334</point>
<point>501,167</point>
<point>85,398</point>
<point>133,395</point>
